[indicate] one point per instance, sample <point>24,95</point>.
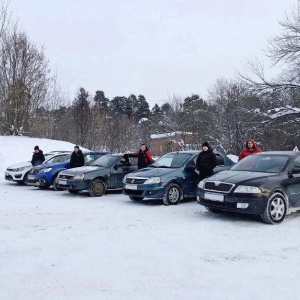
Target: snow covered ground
<point>54,245</point>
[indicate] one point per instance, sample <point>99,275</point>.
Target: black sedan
<point>265,184</point>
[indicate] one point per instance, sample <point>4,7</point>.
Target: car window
<point>296,163</point>
<point>89,158</point>
<point>220,160</point>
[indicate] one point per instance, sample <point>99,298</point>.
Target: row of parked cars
<point>265,184</point>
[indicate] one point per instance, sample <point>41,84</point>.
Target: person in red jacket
<point>144,156</point>
<point>250,148</point>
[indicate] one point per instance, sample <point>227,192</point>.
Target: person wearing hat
<point>77,158</point>
<point>38,156</point>
<point>206,161</point>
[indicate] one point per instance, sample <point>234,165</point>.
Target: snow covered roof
<point>168,134</point>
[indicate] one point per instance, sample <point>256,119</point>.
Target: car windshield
<point>171,160</point>
<point>105,161</point>
<point>59,158</point>
<point>262,163</point>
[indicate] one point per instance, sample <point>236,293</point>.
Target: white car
<point>18,172</point>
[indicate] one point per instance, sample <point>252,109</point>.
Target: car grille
<point>65,176</point>
<point>135,180</point>
<point>216,204</point>
<point>216,186</point>
<point>133,192</point>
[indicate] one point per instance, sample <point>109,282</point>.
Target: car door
<point>119,169</point>
<point>190,178</point>
<point>293,183</point>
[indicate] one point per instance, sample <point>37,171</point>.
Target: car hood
<point>20,165</point>
<point>52,165</point>
<point>84,169</point>
<point>152,172</point>
<point>239,176</point>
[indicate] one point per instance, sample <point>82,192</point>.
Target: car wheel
<point>135,198</point>
<point>276,209</point>
<point>212,210</point>
<point>55,187</point>
<point>73,191</point>
<point>97,188</point>
<point>172,194</point>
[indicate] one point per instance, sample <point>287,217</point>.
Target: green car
<point>105,173</point>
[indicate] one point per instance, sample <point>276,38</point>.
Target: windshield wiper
<point>163,167</point>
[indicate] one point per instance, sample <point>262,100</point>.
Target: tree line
<point>251,105</point>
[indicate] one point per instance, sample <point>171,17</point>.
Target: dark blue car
<point>171,178</point>
<point>43,176</point>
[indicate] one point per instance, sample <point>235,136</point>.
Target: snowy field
<point>54,245</point>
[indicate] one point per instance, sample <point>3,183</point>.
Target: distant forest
<point>250,106</point>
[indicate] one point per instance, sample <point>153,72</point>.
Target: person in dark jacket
<point>144,157</point>
<point>77,158</point>
<point>38,156</point>
<point>206,161</point>
<point>250,148</point>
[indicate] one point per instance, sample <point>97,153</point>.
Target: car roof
<point>289,153</point>
<point>96,152</point>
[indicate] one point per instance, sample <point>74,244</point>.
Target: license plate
<point>214,197</point>
<point>30,177</point>
<point>62,182</point>
<point>130,187</point>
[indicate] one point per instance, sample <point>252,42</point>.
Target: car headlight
<point>153,180</point>
<point>45,170</point>
<point>19,169</point>
<point>201,184</point>
<point>79,176</point>
<point>247,189</point>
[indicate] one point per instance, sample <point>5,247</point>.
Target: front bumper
<point>243,203</point>
<point>154,191</point>
<point>14,176</point>
<point>37,180</point>
<point>73,184</point>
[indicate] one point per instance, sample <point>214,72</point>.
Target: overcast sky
<point>155,48</point>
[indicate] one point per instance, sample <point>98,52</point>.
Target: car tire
<point>135,198</point>
<point>172,194</point>
<point>212,210</point>
<point>55,187</point>
<point>73,191</point>
<point>276,209</point>
<point>97,188</point>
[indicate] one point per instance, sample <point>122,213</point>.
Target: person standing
<point>206,161</point>
<point>77,158</point>
<point>144,156</point>
<point>38,156</point>
<point>250,148</point>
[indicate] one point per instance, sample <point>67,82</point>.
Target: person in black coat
<point>77,158</point>
<point>206,161</point>
<point>38,156</point>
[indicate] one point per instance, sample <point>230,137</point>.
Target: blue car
<point>43,176</point>
<point>171,178</point>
